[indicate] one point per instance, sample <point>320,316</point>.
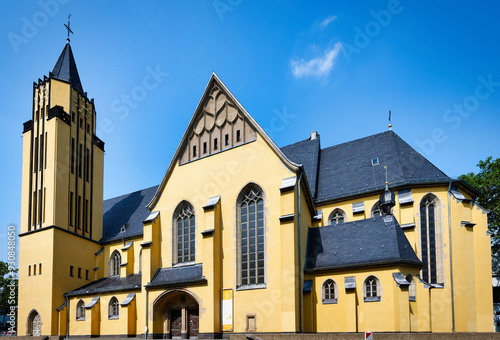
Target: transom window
<point>184,234</point>
<point>80,311</point>
<point>372,289</point>
<point>251,232</point>
<point>428,240</point>
<point>114,263</point>
<point>329,291</point>
<point>337,217</point>
<point>114,308</point>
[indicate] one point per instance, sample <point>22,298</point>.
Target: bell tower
<point>62,197</point>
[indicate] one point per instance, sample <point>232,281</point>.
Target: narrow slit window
<point>238,135</point>
<point>79,273</point>
<point>204,147</point>
<point>226,139</point>
<point>194,150</point>
<point>72,155</point>
<point>40,269</point>
<point>80,160</point>
<point>79,212</point>
<point>71,208</point>
<point>87,216</point>
<point>216,146</point>
<point>86,274</point>
<point>70,270</point>
<point>34,269</point>
<point>29,270</point>
<point>45,157</point>
<point>87,164</point>
<point>41,152</point>
<point>35,168</point>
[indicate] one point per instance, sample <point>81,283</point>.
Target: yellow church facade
<point>241,236</point>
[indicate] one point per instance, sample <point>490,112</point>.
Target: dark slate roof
<point>346,169</point>
<point>306,153</point>
<point>360,243</point>
<point>109,284</point>
<point>178,275</point>
<point>127,210</point>
<point>65,68</point>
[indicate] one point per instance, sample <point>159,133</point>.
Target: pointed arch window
<point>114,263</point>
<point>251,227</point>
<point>376,209</point>
<point>337,217</point>
<point>329,292</point>
<point>184,234</point>
<point>372,289</point>
<point>428,239</point>
<point>113,308</point>
<point>80,311</point>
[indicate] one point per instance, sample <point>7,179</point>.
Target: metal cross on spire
<point>390,124</point>
<point>68,28</point>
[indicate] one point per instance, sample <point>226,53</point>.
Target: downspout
<point>67,317</point>
<point>146,329</point>
<point>300,258</point>
<point>451,260</point>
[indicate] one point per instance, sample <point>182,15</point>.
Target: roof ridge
<point>133,192</point>
<point>359,139</point>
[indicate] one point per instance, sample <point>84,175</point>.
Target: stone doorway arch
<point>34,324</point>
<point>177,315</point>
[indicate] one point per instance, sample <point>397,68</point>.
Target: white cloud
<point>327,21</point>
<point>319,66</point>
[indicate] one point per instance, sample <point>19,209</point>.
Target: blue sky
<point>331,66</point>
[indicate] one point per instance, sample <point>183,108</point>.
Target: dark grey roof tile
<point>178,276</point>
<point>109,284</point>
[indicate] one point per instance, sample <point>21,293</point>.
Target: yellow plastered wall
<point>225,175</point>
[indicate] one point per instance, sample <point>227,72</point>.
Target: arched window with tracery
<point>372,289</point>
<point>80,311</point>
<point>184,232</point>
<point>337,217</point>
<point>428,239</point>
<point>329,291</point>
<point>376,209</point>
<point>114,263</point>
<point>251,227</point>
<point>113,308</point>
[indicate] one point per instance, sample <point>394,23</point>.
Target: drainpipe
<point>67,317</point>
<point>300,259</point>
<point>146,329</point>
<point>451,261</point>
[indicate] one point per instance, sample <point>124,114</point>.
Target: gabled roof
<point>306,153</point>
<point>346,169</point>
<point>178,276</point>
<point>360,243</point>
<point>123,215</point>
<point>215,79</point>
<point>65,69</point>
<point>109,284</point>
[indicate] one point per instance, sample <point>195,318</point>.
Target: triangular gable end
<point>219,123</point>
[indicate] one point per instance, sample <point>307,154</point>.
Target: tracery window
<point>329,291</point>
<point>372,289</point>
<point>184,234</point>
<point>114,263</point>
<point>337,217</point>
<point>114,308</point>
<point>251,237</point>
<point>428,239</point>
<point>80,311</point>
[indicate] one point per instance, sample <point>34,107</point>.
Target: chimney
<point>314,135</point>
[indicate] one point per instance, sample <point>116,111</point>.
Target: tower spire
<point>68,28</point>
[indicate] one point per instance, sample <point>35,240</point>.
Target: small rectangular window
<point>79,273</point>
<point>29,270</point>
<point>375,161</point>
<point>81,123</point>
<point>194,150</point>
<point>34,269</point>
<point>226,139</point>
<point>204,147</point>
<point>71,208</point>
<point>40,269</point>
<point>72,155</point>
<point>215,144</point>
<point>86,274</point>
<point>88,128</point>
<point>80,160</point>
<point>238,136</point>
<point>251,323</point>
<point>70,270</point>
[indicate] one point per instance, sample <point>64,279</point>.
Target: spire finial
<point>68,28</point>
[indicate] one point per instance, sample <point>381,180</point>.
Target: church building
<point>241,236</point>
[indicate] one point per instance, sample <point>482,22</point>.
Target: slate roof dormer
<point>65,69</point>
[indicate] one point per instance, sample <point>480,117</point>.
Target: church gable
<point>217,125</point>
